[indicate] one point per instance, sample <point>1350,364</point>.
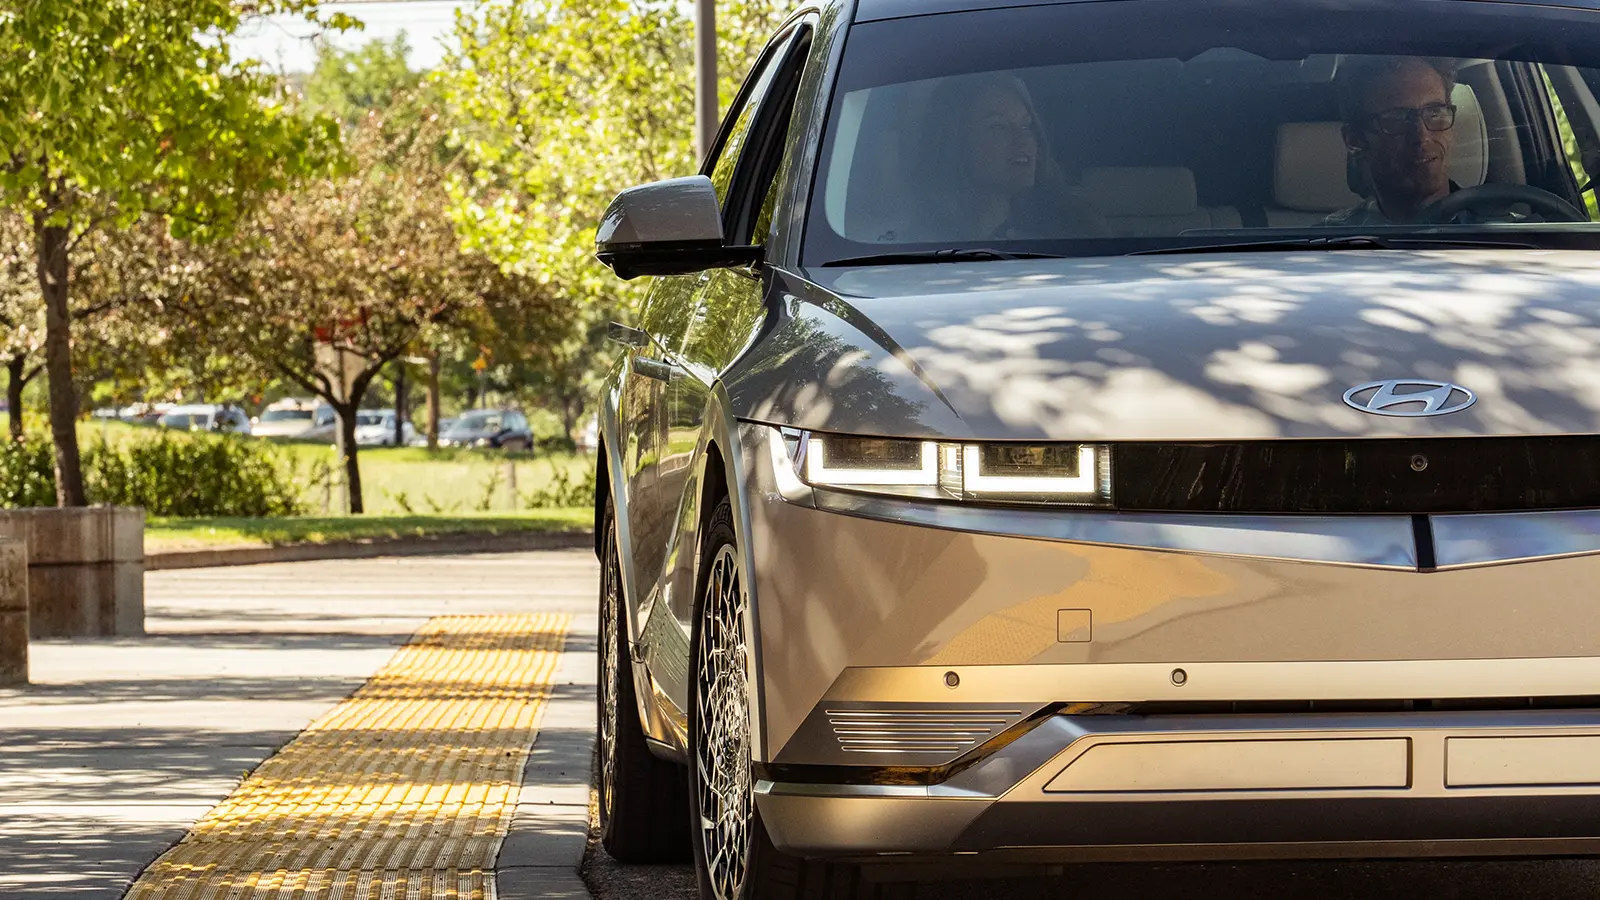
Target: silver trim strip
<point>1384,542</point>
<point>1479,539</point>
<point>1146,682</point>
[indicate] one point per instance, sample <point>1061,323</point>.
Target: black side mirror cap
<point>671,227</point>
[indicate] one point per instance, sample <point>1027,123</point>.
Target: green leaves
<point>116,108</point>
<point>559,105</point>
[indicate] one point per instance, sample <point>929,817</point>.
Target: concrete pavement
<point>120,745</point>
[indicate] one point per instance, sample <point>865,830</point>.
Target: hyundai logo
<point>1409,397</point>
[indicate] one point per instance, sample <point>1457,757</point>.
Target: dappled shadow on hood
<point>1234,346</point>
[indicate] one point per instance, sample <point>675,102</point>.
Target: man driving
<point>1398,127</point>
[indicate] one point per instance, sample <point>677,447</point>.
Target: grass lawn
<point>404,480</point>
<point>210,534</point>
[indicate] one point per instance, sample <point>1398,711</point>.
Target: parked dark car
<point>505,429</point>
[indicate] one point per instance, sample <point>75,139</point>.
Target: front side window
<point>744,112</point>
<point>1090,129</point>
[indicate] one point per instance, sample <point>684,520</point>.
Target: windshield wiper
<point>912,257</point>
<point>1352,242</point>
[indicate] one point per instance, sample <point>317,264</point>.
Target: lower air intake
<point>916,731</point>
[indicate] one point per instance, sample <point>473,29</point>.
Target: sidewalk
<point>121,746</point>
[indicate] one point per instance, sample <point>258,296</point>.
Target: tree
<point>133,108</point>
<point>20,320</point>
<point>349,84</point>
<point>360,267</point>
<point>558,106</point>
<point>545,348</point>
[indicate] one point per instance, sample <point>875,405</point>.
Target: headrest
<point>1469,157</point>
<point>1141,190</point>
<point>1312,172</point>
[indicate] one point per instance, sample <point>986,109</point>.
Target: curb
<point>540,856</point>
<point>443,544</point>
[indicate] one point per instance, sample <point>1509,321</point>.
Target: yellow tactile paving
<point>402,792</point>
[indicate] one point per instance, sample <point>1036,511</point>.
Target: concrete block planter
<point>13,612</point>
<point>85,569</point>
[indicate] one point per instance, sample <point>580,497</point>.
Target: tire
<point>734,856</point>
<point>643,799</point>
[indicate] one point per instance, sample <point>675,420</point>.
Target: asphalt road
<point>1380,880</point>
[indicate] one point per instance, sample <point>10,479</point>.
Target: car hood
<point>1197,347</point>
<point>279,428</point>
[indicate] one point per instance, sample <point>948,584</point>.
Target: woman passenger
<point>986,169</point>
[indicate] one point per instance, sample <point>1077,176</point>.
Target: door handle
<point>627,337</point>
<point>650,368</point>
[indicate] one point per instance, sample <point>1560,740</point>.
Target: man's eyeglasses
<point>1400,120</point>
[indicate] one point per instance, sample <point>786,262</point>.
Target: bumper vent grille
<point>940,731</point>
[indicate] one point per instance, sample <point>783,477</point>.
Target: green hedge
<point>169,474</point>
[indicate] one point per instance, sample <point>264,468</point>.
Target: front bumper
<point>937,679</point>
<point>1113,787</point>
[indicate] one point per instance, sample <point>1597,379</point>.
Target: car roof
<point>193,409</point>
<point>877,10</point>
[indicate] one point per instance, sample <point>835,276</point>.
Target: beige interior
<point>1142,201</point>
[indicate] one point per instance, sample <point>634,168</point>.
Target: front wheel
<point>734,857</point>
<point>642,799</point>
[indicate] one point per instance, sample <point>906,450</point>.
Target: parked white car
<point>205,417</point>
<point>291,417</point>
<point>375,428</point>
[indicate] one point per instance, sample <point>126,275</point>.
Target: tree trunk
<point>54,271</point>
<point>14,385</point>
<point>433,400</point>
<point>347,453</point>
<point>399,403</point>
<point>571,409</point>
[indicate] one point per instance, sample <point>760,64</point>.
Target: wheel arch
<point>721,473</point>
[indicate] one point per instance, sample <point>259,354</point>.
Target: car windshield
<point>286,415</point>
<point>185,420</point>
<point>479,421</point>
<point>370,418</point>
<point>1109,128</point>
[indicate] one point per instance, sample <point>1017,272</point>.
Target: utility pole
<point>705,76</point>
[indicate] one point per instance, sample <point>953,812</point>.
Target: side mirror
<point>670,227</point>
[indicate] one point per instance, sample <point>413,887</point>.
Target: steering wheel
<point>1488,202</point>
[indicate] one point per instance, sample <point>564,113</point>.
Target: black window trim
<point>757,169</point>
<point>742,98</point>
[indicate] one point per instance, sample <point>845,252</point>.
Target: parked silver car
<point>375,427</point>
<point>206,417</point>
<point>1112,431</point>
<point>290,417</point>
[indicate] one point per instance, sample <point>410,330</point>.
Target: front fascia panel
<point>863,609</point>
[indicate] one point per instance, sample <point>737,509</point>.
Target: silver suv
<point>1111,431</point>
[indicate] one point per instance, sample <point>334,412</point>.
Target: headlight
<point>1070,474</point>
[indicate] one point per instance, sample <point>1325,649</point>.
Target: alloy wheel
<point>722,744</point>
<point>610,624</point>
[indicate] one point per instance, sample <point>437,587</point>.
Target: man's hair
<point>1356,76</point>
